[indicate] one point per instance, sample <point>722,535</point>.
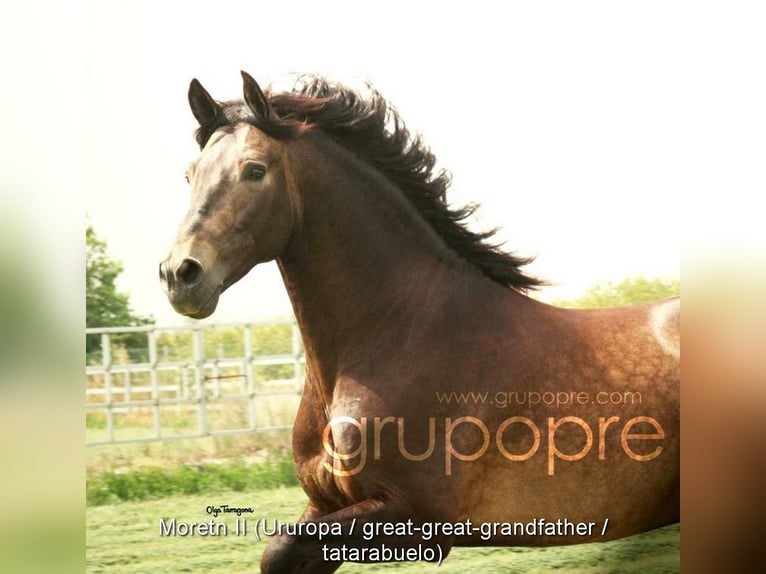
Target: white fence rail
<point>192,382</point>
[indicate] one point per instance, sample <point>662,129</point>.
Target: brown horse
<point>442,406</point>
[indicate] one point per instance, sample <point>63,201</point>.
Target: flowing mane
<point>373,129</point>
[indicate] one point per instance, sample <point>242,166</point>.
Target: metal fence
<point>192,382</point>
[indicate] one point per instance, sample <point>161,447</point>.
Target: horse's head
<point>241,212</point>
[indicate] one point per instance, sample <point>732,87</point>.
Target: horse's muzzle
<point>187,289</point>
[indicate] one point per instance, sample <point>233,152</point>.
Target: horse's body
<point>405,314</point>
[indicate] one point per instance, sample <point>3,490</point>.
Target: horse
<point>442,405</point>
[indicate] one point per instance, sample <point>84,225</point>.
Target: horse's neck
<point>364,266</point>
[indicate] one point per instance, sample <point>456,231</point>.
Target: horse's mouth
<point>206,309</point>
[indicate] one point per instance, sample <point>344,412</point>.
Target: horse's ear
<point>204,107</point>
<point>255,99</point>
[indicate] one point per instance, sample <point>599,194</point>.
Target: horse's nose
<point>187,274</point>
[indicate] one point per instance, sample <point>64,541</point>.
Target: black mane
<point>372,128</point>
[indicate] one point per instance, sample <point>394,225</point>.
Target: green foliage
<point>272,339</point>
<point>223,342</point>
<point>95,420</point>
<point>632,290</point>
<point>32,328</point>
<point>104,305</point>
<point>155,482</point>
<point>176,346</point>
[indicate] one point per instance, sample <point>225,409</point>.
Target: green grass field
<point>125,538</point>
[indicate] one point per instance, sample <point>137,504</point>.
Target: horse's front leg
<point>307,554</point>
<point>280,554</point>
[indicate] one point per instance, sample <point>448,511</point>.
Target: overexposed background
<point>561,122</point>
<point>595,134</point>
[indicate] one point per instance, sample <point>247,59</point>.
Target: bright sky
<point>562,123</point>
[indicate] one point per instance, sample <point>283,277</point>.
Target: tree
<point>104,305</point>
<point>632,290</point>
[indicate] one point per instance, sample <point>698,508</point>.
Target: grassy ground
<point>132,486</point>
<point>125,538</point>
<point>171,454</point>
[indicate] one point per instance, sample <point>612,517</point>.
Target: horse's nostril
<point>189,271</point>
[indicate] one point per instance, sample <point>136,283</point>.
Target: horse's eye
<point>186,177</point>
<point>254,172</point>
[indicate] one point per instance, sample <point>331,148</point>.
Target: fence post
<point>153,375</point>
<point>252,414</point>
<point>106,357</point>
<point>217,371</point>
<point>127,391</point>
<point>199,380</point>
<point>297,345</point>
